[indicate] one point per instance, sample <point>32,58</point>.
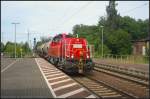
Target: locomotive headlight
<point>72,56</point>
<point>88,56</point>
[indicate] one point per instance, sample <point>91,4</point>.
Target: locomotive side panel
<point>55,50</point>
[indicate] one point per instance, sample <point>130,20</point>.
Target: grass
<point>125,59</point>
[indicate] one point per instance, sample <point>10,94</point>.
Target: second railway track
<point>101,89</point>
<point>104,89</point>
<point>123,73</point>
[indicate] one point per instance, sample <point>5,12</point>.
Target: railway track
<point>131,75</point>
<point>102,89</point>
<point>106,90</point>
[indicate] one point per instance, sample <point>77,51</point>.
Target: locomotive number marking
<point>77,45</point>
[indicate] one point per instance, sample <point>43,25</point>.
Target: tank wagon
<point>68,53</point>
<point>40,50</point>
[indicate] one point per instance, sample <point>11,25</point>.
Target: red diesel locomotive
<point>68,53</point>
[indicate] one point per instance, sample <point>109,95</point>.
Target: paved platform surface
<point>22,79</point>
<point>6,62</point>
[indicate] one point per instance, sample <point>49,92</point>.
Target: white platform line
<point>65,86</point>
<point>57,77</point>
<point>53,72</point>
<point>50,70</point>
<point>51,90</point>
<point>71,93</point>
<point>9,66</point>
<point>60,81</point>
<point>91,96</point>
<point>48,67</point>
<point>54,75</point>
<point>47,64</point>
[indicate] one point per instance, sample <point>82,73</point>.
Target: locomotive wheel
<point>55,61</point>
<point>60,64</point>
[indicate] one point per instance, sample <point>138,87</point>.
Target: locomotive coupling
<point>80,66</point>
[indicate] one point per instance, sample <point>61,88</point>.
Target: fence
<point>125,58</point>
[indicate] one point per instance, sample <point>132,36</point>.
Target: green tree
<point>137,29</point>
<point>119,42</point>
<point>112,17</point>
<point>10,49</point>
<point>2,47</point>
<point>26,48</point>
<point>143,28</point>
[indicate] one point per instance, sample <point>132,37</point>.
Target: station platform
<point>36,78</point>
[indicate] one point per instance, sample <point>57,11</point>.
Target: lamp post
<point>15,36</point>
<point>21,52</point>
<point>102,39</point>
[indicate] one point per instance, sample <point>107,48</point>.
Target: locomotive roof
<point>63,34</point>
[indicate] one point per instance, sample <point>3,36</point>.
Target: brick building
<point>140,46</point>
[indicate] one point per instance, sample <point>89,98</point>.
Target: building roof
<point>142,40</point>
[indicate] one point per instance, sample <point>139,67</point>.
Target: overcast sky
<point>48,18</point>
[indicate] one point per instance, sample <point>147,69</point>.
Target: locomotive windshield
<point>69,36</point>
<point>57,38</point>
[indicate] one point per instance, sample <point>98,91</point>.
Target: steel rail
<point>130,72</point>
<point>113,89</point>
<point>126,77</point>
